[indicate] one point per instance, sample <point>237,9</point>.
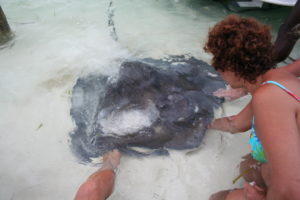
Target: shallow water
<point>57,41</point>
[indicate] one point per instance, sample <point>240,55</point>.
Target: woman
<point>287,37</point>
<point>242,54</point>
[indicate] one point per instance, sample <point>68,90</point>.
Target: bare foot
<point>111,160</point>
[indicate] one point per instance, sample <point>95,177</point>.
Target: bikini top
<point>258,152</point>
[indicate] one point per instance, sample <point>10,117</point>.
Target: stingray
<point>153,104</point>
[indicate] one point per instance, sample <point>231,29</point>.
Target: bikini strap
<point>284,88</point>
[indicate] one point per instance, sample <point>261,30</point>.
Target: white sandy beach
<point>56,41</point>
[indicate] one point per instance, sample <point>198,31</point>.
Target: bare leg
<point>100,184</point>
<point>251,171</point>
<point>253,174</point>
<point>236,194</point>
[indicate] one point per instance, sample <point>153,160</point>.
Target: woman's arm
<point>231,94</point>
<point>275,122</point>
<point>236,123</point>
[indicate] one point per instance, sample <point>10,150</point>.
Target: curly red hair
<point>241,45</point>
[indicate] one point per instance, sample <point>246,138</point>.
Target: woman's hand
<point>253,192</point>
<point>230,94</point>
<point>224,124</point>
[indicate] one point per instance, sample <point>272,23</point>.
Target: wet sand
<point>58,41</point>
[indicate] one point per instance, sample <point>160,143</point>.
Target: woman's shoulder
<point>276,91</point>
<point>280,79</point>
<point>263,95</point>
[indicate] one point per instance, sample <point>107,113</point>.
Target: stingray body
<point>154,104</point>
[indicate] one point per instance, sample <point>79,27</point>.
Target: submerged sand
<point>58,41</point>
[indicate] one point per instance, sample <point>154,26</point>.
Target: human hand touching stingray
<point>230,94</point>
<point>224,124</point>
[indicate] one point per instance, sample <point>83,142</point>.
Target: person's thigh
<point>251,171</point>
